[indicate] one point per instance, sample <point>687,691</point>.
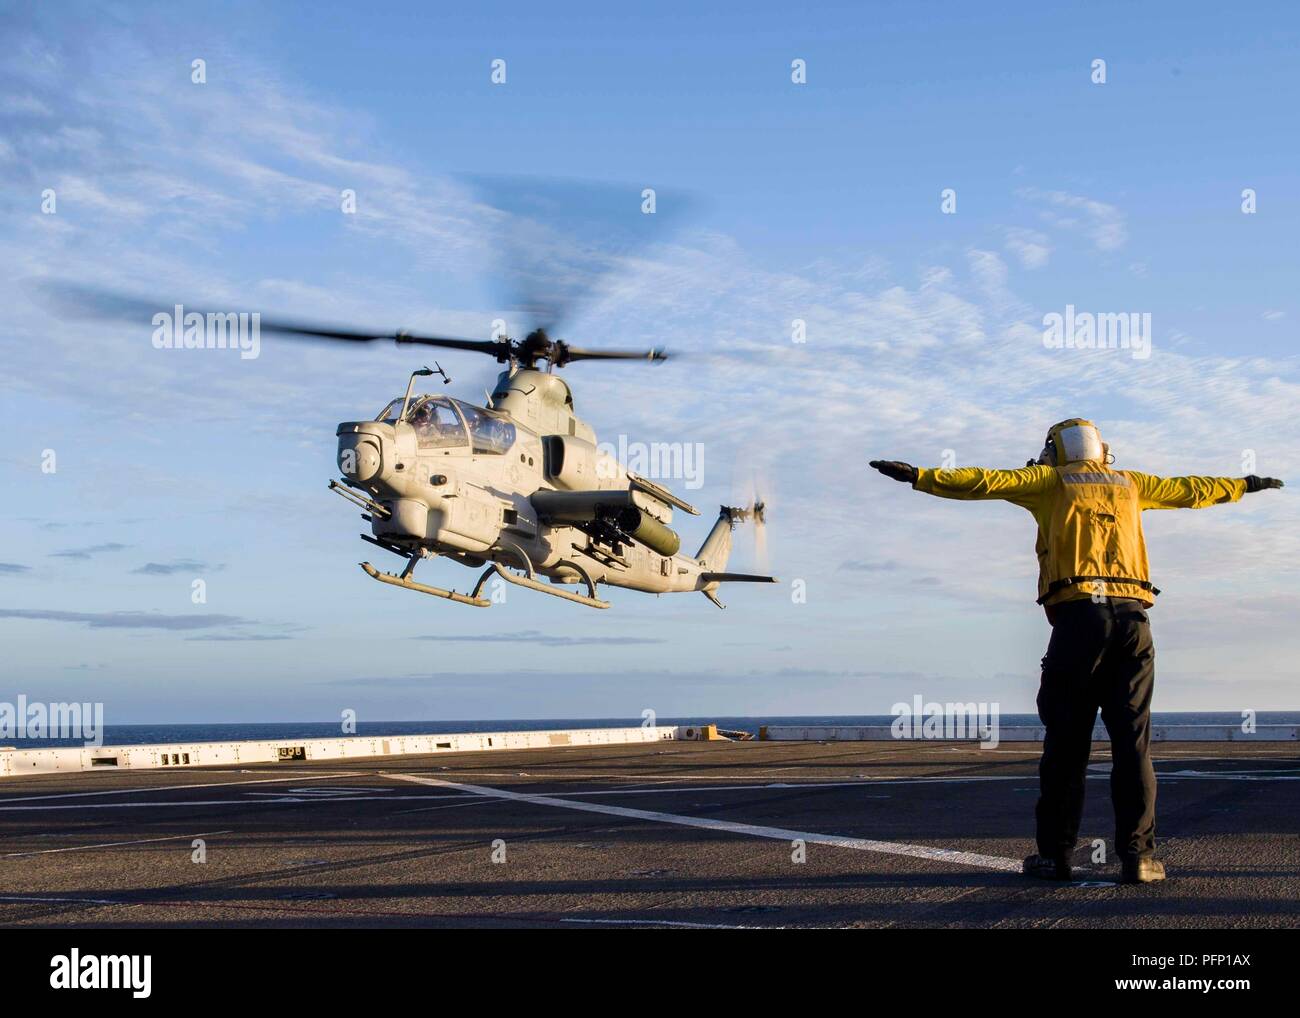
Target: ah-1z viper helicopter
<point>519,484</point>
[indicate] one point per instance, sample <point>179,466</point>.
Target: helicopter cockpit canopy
<point>436,423</point>
<point>491,433</point>
<point>392,412</point>
<point>440,422</point>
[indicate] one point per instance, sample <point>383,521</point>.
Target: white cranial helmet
<point>1072,441</point>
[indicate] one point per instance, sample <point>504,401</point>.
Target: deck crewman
<point>1094,583</point>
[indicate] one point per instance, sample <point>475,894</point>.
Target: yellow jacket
<point>1089,519</point>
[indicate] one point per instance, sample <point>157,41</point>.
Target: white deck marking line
<point>70,901</point>
<point>172,788</point>
<point>992,862</point>
<point>310,800</point>
<point>113,844</point>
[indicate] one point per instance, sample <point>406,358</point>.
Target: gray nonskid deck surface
<point>671,833</point>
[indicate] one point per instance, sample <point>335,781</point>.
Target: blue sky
<point>818,201</point>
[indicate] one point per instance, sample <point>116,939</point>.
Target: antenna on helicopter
<point>417,373</point>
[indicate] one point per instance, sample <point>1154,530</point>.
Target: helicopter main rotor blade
<point>76,301</point>
<point>567,354</point>
<point>496,348</point>
<point>71,300</point>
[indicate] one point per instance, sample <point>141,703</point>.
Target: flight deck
<point>656,834</point>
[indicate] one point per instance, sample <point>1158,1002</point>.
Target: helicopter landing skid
<point>532,583</point>
<point>496,569</point>
<point>405,581</point>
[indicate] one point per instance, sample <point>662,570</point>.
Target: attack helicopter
<point>516,487</point>
<point>519,485</point>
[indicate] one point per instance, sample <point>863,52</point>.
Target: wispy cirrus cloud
<point>1103,224</point>
<point>240,638</point>
<point>229,628</point>
<point>887,566</point>
<point>89,551</point>
<point>126,619</point>
<point>533,636</point>
<point>1030,247</point>
<point>177,566</point>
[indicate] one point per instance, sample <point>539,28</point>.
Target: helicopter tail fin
<point>716,549</point>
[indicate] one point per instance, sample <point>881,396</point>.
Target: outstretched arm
<point>1195,492</point>
<point>972,482</point>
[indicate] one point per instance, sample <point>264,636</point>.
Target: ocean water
<point>135,735</point>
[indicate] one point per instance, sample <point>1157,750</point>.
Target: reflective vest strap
<point>1070,581</point>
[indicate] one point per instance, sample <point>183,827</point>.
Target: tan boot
<point>1144,870</point>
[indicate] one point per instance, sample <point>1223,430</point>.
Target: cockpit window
<point>490,433</point>
<point>391,412</point>
<point>436,424</point>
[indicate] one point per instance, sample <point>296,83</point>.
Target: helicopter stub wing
<point>661,493</point>
<point>626,510</point>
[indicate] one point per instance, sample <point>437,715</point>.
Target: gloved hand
<point>1256,483</point>
<point>898,471</point>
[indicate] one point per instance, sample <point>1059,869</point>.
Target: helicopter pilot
<point>435,424</point>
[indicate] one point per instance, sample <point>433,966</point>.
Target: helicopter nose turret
<point>361,456</point>
<point>361,461</point>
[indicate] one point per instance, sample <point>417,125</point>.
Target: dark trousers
<point>1100,656</point>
